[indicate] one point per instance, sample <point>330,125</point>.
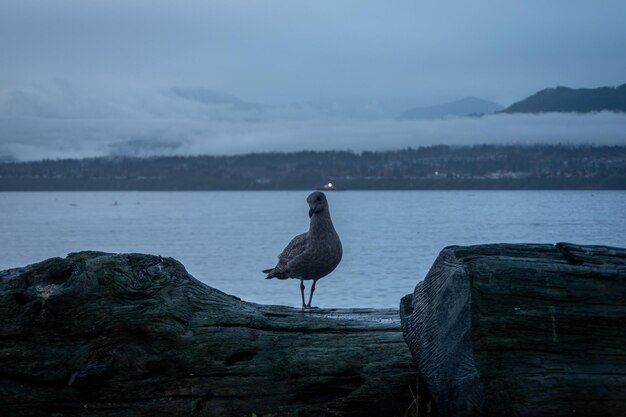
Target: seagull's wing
<point>295,248</point>
<point>297,245</point>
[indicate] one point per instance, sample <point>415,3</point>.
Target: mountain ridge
<point>570,100</point>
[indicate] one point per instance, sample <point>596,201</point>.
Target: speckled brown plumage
<point>311,255</point>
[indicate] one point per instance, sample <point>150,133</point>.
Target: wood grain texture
<point>522,330</point>
<point>98,334</point>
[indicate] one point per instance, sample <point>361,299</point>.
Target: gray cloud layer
<point>58,122</point>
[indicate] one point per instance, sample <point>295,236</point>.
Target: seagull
<point>311,255</point>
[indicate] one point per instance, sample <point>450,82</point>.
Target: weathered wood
<point>98,334</point>
<point>522,330</point>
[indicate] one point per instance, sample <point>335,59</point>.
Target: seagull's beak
<point>317,208</point>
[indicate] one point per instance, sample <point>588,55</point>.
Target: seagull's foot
<point>308,307</point>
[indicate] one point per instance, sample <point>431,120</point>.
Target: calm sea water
<point>225,238</point>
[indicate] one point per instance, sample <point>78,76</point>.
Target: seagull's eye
<point>318,198</point>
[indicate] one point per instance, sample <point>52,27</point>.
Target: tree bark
<point>99,334</point>
<point>522,330</point>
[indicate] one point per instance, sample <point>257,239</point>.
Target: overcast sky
<point>279,51</point>
<point>103,54</point>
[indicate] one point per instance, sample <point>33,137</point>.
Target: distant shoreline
<point>618,183</point>
<point>620,187</point>
<point>438,167</point>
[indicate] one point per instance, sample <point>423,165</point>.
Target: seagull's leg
<point>312,291</point>
<point>302,292</point>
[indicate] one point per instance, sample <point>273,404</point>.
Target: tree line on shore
<point>429,167</point>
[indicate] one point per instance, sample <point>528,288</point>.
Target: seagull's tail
<point>268,271</point>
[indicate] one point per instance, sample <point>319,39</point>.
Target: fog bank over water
<point>39,138</point>
<point>59,120</point>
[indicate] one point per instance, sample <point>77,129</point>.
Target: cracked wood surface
<point>522,330</point>
<point>98,334</point>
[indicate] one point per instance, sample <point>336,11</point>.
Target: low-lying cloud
<point>54,124</point>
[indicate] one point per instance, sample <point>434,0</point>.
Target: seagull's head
<point>317,203</point>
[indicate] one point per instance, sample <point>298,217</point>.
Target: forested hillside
<point>433,167</point>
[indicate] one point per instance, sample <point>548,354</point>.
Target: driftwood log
<point>522,330</point>
<point>98,334</point>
